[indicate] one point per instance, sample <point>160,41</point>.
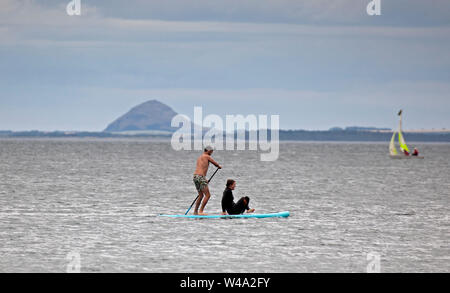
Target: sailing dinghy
<point>393,153</point>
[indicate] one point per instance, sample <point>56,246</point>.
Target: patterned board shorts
<point>200,182</point>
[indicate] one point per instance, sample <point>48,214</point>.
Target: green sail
<point>392,148</point>
<point>402,142</point>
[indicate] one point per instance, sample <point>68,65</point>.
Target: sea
<point>93,205</point>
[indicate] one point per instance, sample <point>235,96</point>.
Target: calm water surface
<point>100,198</point>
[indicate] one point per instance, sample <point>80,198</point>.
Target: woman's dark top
<point>229,206</point>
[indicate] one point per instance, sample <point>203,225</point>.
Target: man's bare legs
<point>197,203</point>
<point>207,195</point>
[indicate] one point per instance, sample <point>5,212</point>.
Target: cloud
<point>46,22</point>
<point>284,56</point>
<point>315,12</point>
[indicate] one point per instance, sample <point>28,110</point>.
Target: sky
<point>315,63</point>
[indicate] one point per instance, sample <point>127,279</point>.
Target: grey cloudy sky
<point>316,63</point>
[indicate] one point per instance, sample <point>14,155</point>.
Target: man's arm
<point>214,162</point>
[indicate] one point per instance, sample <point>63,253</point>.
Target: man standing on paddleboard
<point>200,181</point>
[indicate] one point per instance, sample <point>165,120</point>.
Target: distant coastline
<point>348,134</point>
<point>153,119</point>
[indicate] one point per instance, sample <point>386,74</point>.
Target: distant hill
<point>153,119</point>
<point>149,116</point>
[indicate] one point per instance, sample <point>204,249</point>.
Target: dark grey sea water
<point>99,199</point>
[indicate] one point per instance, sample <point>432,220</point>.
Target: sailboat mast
<point>401,140</point>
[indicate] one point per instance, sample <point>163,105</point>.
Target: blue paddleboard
<point>271,215</point>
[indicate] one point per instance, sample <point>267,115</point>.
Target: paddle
<point>199,195</point>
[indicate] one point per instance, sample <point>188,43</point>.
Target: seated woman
<point>405,152</point>
<point>228,205</point>
<point>416,152</point>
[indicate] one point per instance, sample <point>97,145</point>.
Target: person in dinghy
<point>228,204</point>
